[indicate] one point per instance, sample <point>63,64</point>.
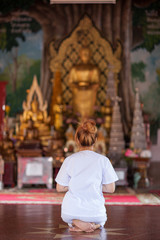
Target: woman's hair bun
<point>89,126</point>
<point>86,133</point>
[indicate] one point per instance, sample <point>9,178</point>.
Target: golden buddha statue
<point>70,133</point>
<point>84,82</point>
<point>100,145</point>
<point>107,111</point>
<point>30,140</point>
<point>58,113</point>
<point>31,132</point>
<point>7,148</point>
<point>55,148</point>
<point>35,113</point>
<point>71,145</point>
<point>35,109</point>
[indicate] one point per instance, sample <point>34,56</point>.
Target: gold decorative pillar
<point>57,92</point>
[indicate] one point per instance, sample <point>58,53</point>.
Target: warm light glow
<point>3,107</point>
<point>81,1</point>
<point>65,149</point>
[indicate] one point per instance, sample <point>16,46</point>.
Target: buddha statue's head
<point>85,54</point>
<point>34,105</point>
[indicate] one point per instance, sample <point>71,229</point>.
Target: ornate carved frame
<point>35,89</point>
<point>103,56</point>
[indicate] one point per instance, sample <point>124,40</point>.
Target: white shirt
<point>84,173</point>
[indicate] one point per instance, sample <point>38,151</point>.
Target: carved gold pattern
<point>34,89</point>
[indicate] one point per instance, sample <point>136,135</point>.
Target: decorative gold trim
<point>34,89</point>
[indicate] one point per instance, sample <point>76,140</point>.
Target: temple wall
<point>18,65</point>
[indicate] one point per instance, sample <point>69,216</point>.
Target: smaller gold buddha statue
<point>84,82</point>
<point>70,146</point>
<point>30,139</point>
<point>35,109</point>
<point>70,133</point>
<point>107,111</point>
<point>58,113</point>
<point>100,145</point>
<point>31,132</point>
<point>35,113</point>
<point>55,149</point>
<point>7,148</point>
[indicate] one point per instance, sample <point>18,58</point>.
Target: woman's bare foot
<point>83,226</point>
<point>75,229</point>
<point>96,226</point>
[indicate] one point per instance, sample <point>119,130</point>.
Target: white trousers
<point>97,220</point>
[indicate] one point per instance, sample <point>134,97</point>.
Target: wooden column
<point>2,105</point>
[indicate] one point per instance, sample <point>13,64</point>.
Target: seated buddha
<point>70,146</point>
<point>100,145</point>
<point>31,137</point>
<point>31,132</point>
<point>35,109</point>
<point>84,82</point>
<point>58,113</point>
<point>35,113</point>
<point>107,111</point>
<point>7,148</point>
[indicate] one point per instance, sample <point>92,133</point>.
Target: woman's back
<point>82,176</point>
<point>85,170</point>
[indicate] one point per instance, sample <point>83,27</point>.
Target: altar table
<point>35,170</point>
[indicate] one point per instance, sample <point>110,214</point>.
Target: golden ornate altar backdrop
<point>102,56</point>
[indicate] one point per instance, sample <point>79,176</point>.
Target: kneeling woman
<point>85,175</point>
